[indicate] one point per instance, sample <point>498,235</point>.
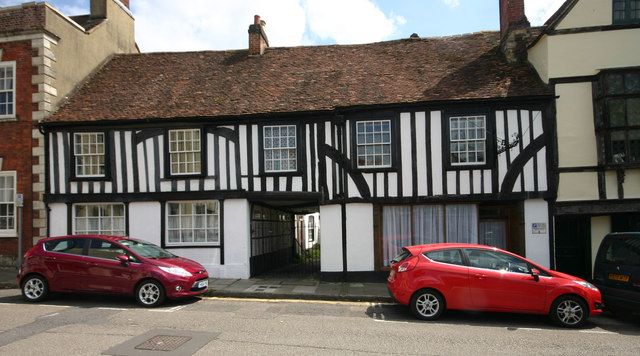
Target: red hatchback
<point>432,278</point>
<point>109,264</point>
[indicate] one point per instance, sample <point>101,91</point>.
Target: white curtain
<point>493,233</point>
<point>396,231</point>
<point>428,224</point>
<point>462,223</point>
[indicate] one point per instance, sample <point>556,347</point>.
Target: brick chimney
<point>515,30</point>
<point>258,41</point>
<point>125,3</point>
<point>99,8</point>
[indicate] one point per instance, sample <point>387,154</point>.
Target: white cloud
<point>451,3</point>
<point>201,24</point>
<point>353,21</point>
<point>539,11</point>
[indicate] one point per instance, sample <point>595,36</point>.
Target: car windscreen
<point>145,249</point>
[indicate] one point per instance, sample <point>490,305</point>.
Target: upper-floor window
<point>7,203</point>
<point>280,148</point>
<point>617,102</point>
<point>626,11</point>
<point>373,142</point>
<point>467,140</point>
<point>7,89</point>
<point>100,219</point>
<point>89,152</point>
<point>185,155</point>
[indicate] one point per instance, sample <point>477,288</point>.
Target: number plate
<point>203,284</point>
<point>618,277</point>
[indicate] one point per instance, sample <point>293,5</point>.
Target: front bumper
<point>187,287</point>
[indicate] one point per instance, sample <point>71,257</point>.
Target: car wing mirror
<point>124,259</point>
<point>536,274</point>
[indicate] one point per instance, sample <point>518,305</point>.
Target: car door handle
<point>480,276</point>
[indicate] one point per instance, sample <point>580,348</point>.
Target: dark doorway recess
<point>573,245</point>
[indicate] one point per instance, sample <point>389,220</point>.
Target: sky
<point>190,25</point>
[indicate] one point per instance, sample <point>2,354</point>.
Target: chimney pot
<point>258,41</point>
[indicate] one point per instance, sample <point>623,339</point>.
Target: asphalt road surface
<point>94,325</point>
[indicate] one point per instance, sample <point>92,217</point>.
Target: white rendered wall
<point>331,246</point>
<point>360,256</point>
<point>237,243</point>
<point>536,245</point>
<point>57,219</point>
<point>144,221</point>
<point>600,227</point>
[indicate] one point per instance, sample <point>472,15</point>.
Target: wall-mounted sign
<point>539,228</point>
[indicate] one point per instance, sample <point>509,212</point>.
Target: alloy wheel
<point>149,293</point>
<point>34,288</point>
<point>427,305</point>
<point>570,312</point>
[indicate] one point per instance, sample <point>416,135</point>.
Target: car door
<point>105,272</point>
<point>501,282</point>
<point>67,260</point>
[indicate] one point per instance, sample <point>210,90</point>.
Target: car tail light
<point>408,264</point>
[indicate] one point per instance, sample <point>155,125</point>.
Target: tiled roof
<point>86,21</point>
<point>26,17</point>
<point>299,79</point>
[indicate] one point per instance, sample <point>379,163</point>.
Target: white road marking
<point>596,332</point>
<point>170,310</point>
<point>529,329</point>
<point>37,305</point>
<point>110,308</point>
<point>50,315</point>
<point>391,321</point>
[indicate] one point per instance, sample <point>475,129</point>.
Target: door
<point>498,281</point>
<point>573,245</point>
<point>67,260</point>
<point>105,273</point>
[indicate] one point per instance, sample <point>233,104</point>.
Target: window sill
<point>8,235</point>
<point>190,246</point>
<point>11,118</point>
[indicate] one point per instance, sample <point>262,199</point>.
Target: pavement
<point>274,288</point>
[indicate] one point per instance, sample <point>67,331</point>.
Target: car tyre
<point>569,311</point>
<point>35,288</point>
<point>427,304</point>
<point>150,293</point>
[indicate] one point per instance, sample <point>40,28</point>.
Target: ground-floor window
<point>193,223</point>
<point>7,203</point>
<point>99,219</point>
<point>404,225</point>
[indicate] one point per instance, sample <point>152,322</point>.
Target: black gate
<point>279,248</point>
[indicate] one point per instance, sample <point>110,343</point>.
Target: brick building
<point>44,55</point>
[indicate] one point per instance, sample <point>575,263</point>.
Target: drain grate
<point>163,343</point>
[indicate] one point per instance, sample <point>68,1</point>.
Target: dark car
<point>617,271</point>
<point>109,265</point>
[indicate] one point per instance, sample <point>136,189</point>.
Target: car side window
<point>105,249</point>
<point>70,246</point>
<point>497,261</point>
<point>623,251</point>
<point>453,257</point>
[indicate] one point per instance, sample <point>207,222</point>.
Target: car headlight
<point>178,271</point>
<point>587,285</point>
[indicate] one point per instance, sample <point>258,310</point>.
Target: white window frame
<point>77,154</point>
<point>12,65</point>
<point>373,144</point>
<point>175,152</point>
<point>100,231</point>
<point>10,232</point>
<point>468,140</point>
<point>193,228</point>
<point>280,149</point>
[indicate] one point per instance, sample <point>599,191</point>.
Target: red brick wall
<point>511,11</point>
<point>15,138</point>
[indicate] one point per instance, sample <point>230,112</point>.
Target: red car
<point>108,264</point>
<point>432,278</point>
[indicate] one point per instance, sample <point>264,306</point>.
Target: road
<point>93,325</point>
